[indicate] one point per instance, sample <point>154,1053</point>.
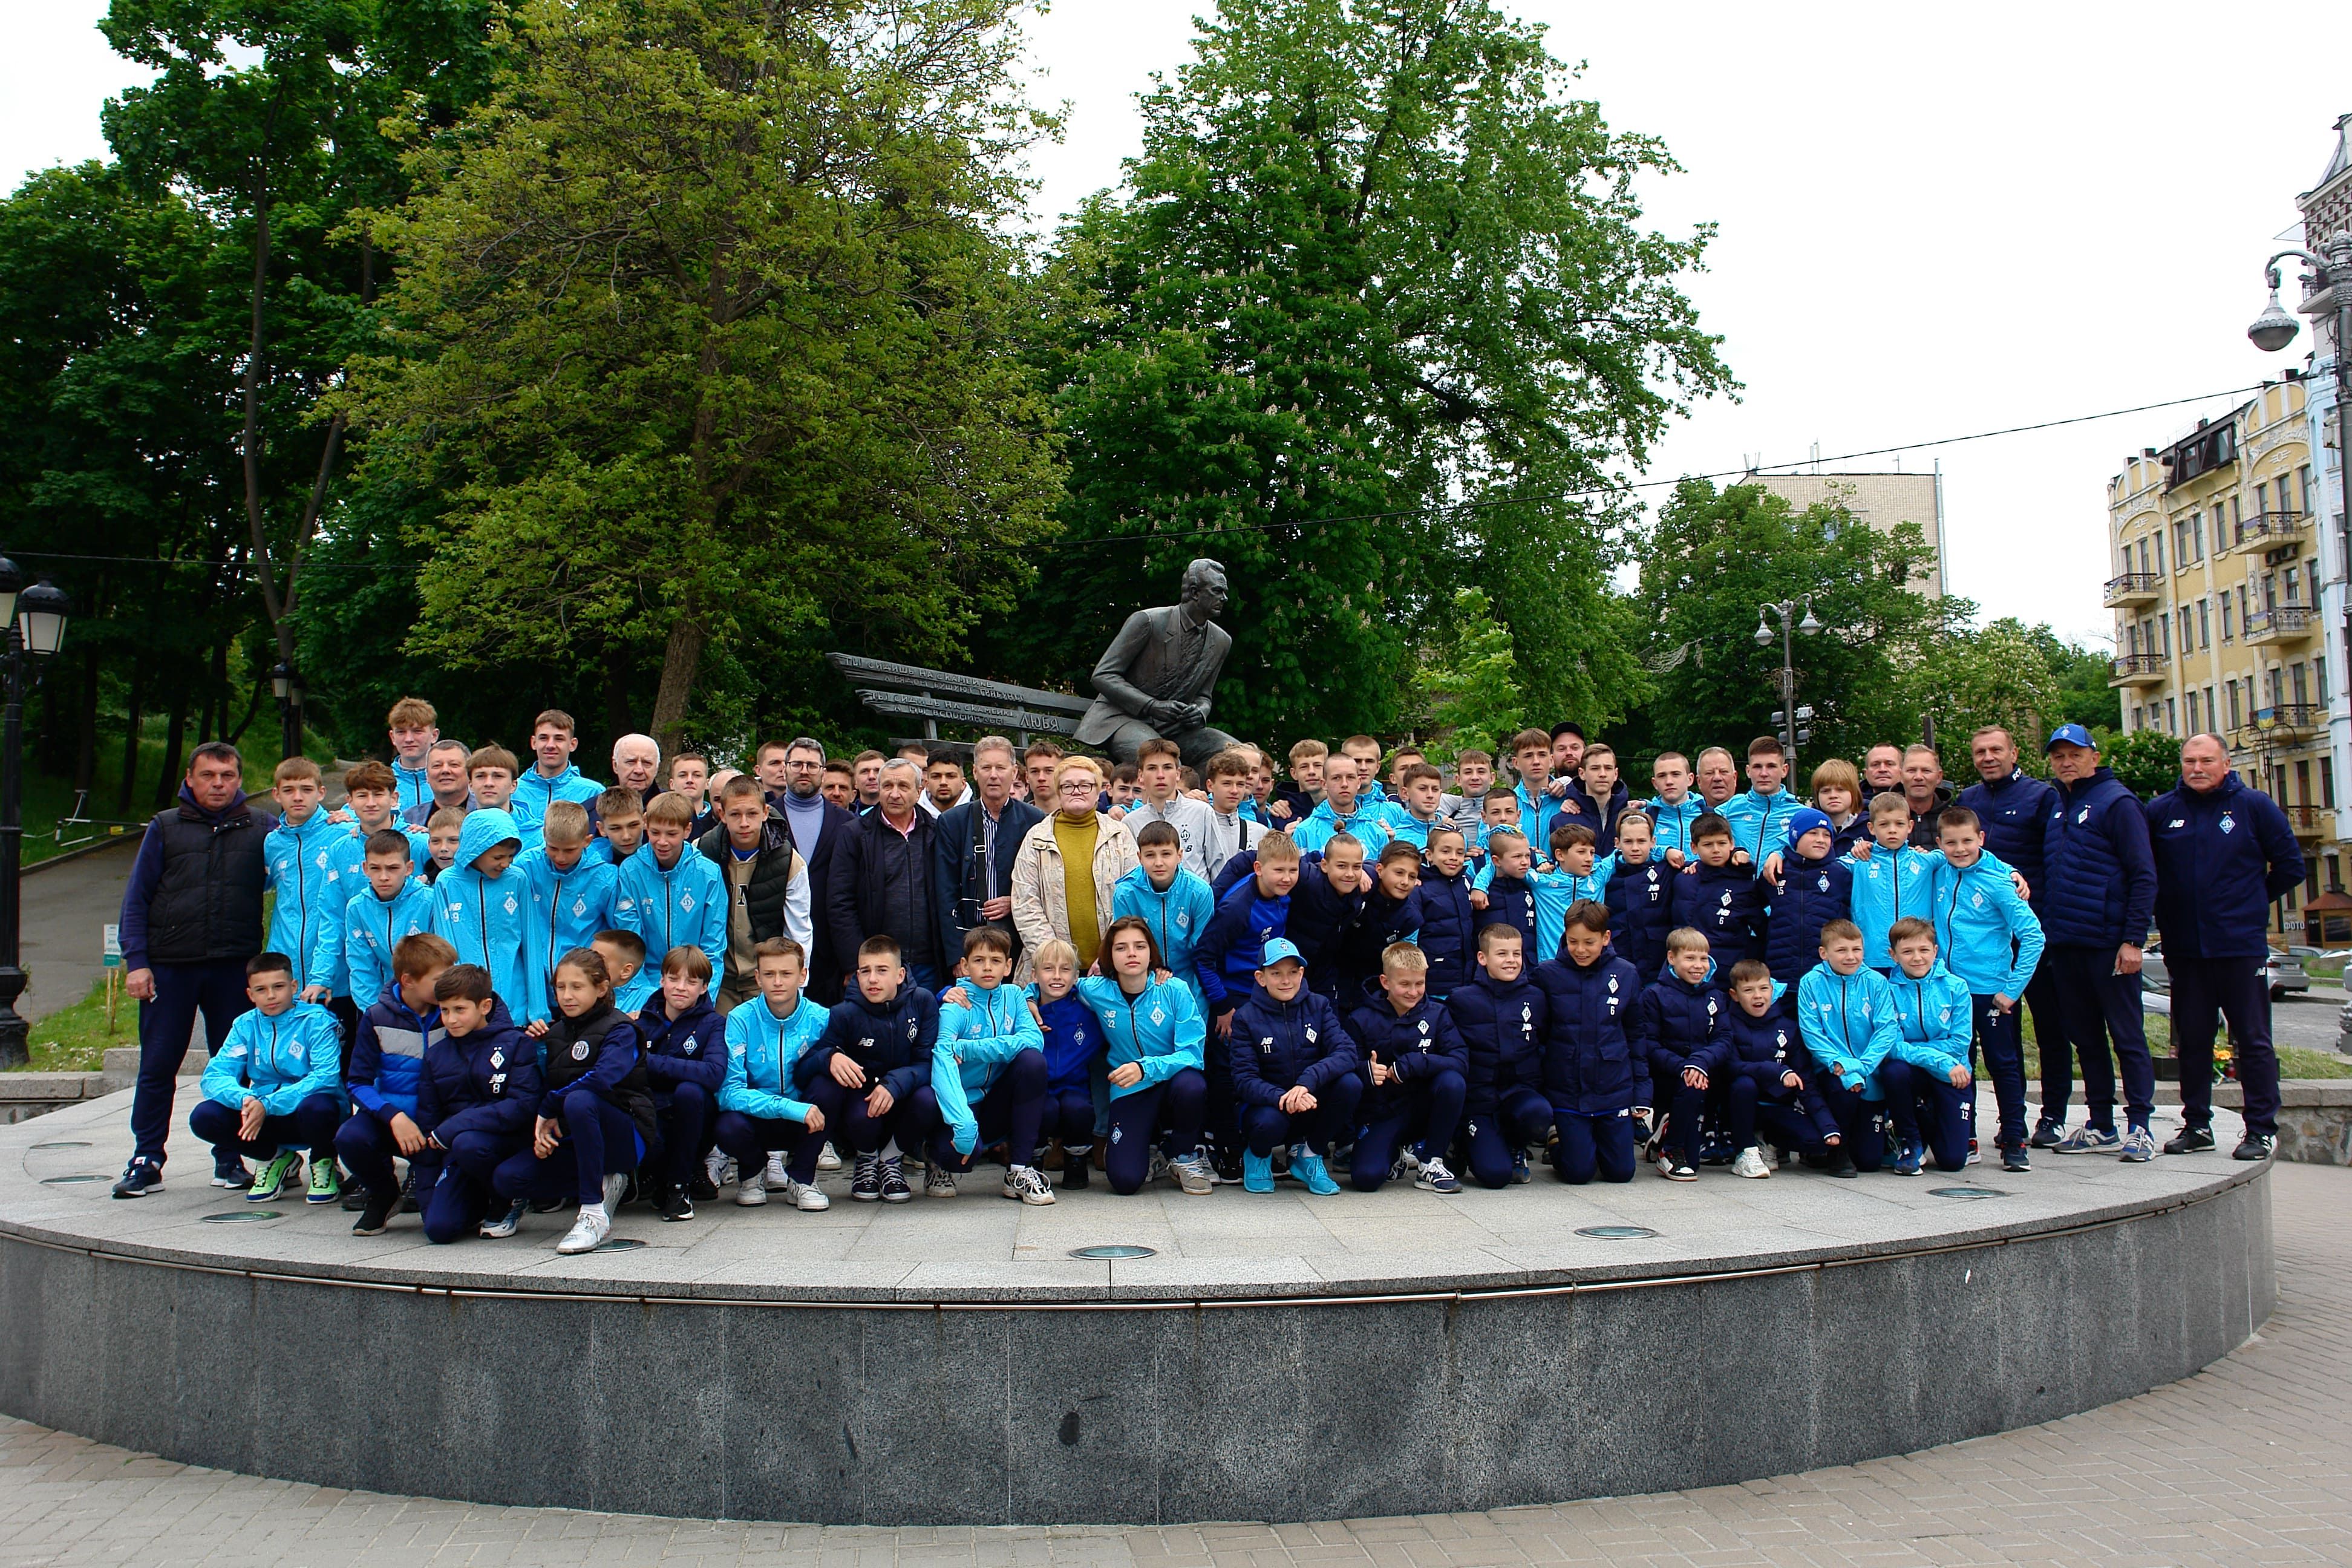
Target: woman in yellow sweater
<point>1048,902</point>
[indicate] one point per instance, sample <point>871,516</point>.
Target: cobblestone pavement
<point>2245,1463</point>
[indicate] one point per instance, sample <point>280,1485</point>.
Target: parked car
<point>2284,974</point>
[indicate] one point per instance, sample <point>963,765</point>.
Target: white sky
<point>1933,222</point>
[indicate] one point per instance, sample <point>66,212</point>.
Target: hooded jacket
<point>2221,856</point>
<point>534,792</point>
<point>1678,1025</point>
<point>1501,1023</point>
<point>366,930</point>
<point>1417,1045</point>
<point>329,959</point>
<point>1281,1046</point>
<point>1588,1052</point>
<point>688,1048</point>
<point>566,909</point>
<point>309,882</point>
<point>891,1040</point>
<point>1368,824</point>
<point>1891,885</point>
<point>1932,1020</point>
<point>1178,918</point>
<point>2099,870</point>
<point>1158,1029</point>
<point>764,1055</point>
<point>1986,934</point>
<point>388,1056</point>
<point>684,906</point>
<point>482,917</point>
<point>487,1082</point>
<point>281,1061</point>
<point>1849,1025</point>
<point>975,1044</point>
<point>1640,901</point>
<point>1725,904</point>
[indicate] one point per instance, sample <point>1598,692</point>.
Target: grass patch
<point>74,1039</point>
<point>48,797</point>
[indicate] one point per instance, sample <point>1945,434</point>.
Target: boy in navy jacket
<point>1449,924</point>
<point>1393,913</point>
<point>686,1057</point>
<point>1765,1088</point>
<point>475,1100</point>
<point>387,1062</point>
<point>1500,1016</point>
<point>1640,896</point>
<point>1075,1051</point>
<point>1509,898</point>
<point>879,1044</point>
<point>1294,1074</point>
<point>1721,899</point>
<point>1813,888</point>
<point>1253,909</point>
<point>1589,1069</point>
<point>1415,1069</point>
<point>1679,1025</point>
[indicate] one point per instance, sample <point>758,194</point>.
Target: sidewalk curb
<point>84,852</point>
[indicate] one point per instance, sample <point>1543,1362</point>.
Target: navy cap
<point>2070,735</point>
<point>1277,950</point>
<point>1805,821</point>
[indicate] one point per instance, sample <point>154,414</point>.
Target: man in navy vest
<point>191,919</point>
<point>2015,808</point>
<point>2223,852</point>
<point>2098,894</point>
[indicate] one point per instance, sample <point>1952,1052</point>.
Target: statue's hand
<point>1187,715</point>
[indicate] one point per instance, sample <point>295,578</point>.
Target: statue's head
<point>1205,589</point>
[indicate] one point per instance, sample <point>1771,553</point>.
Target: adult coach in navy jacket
<point>2222,853</point>
<point>2098,894</point>
<point>972,850</point>
<point>2014,809</point>
<point>819,828</point>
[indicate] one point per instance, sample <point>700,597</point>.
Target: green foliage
<point>1471,686</point>
<point>705,329</point>
<point>1373,297</point>
<point>1973,677</point>
<point>2146,761</point>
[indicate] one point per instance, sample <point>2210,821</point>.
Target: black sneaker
<point>1842,1164</point>
<point>702,1187</point>
<point>2016,1159</point>
<point>230,1171</point>
<point>375,1213</point>
<point>895,1189</point>
<point>1075,1172</point>
<point>2190,1140</point>
<point>2254,1146</point>
<point>1229,1164</point>
<point>356,1199</point>
<point>2047,1134</point>
<point>678,1204</point>
<point>866,1186</point>
<point>144,1176</point>
<point>408,1194</point>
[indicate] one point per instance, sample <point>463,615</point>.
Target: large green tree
<point>707,329</point>
<point>1372,320</point>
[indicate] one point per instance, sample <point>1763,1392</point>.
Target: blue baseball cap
<point>2069,735</point>
<point>1277,950</point>
<point>1805,821</point>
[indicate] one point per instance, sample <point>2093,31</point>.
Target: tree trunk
<point>130,780</point>
<point>174,738</point>
<point>681,662</point>
<point>86,746</point>
<point>617,716</point>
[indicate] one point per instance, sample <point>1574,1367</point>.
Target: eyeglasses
<point>1078,786</point>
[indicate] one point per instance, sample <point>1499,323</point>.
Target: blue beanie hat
<point>1805,821</point>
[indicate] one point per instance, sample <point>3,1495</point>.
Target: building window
<point>2192,712</point>
<point>2319,680</point>
<point>2242,604</point>
<point>2196,532</point>
<point>2302,685</point>
<point>2232,687</point>
<point>2303,483</point>
<point>2303,782</point>
<point>2204,623</point>
<point>2226,633</point>
<point>2327,783</point>
<point>2157,538</point>
<point>2164,636</point>
<point>2291,585</point>
<point>2212,709</point>
<point>2239,519</point>
<point>2187,632</point>
<point>2171,717</point>
<point>2262,497</point>
<point>2336,873</point>
<point>2310,880</point>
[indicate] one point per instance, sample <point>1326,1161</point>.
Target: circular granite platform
<point>1280,1357</point>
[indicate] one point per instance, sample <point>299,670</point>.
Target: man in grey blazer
<point>1159,674</point>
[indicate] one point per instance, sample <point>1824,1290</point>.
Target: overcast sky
<point>1933,221</point>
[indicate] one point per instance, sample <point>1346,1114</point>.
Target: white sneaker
<point>1665,1163</point>
<point>1028,1184</point>
<point>777,1174</point>
<point>614,1185</point>
<point>1751,1164</point>
<point>715,1165</point>
<point>1192,1174</point>
<point>939,1182</point>
<point>752,1191</point>
<point>587,1233</point>
<point>804,1197</point>
<point>826,1160</point>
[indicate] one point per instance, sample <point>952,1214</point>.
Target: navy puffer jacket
<point>2098,874</point>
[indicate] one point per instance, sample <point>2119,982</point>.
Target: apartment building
<point>1880,499</point>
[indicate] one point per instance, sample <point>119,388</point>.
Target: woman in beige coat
<point>1047,903</point>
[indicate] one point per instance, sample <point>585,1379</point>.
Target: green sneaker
<point>284,1168</point>
<point>326,1186</point>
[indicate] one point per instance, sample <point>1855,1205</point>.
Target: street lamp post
<point>287,687</point>
<point>35,621</point>
<point>1785,612</point>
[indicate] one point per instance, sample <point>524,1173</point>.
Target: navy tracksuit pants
<point>907,1122</point>
<point>1862,1124</point>
<point>454,1188</point>
<point>750,1140</point>
<point>1999,1039</point>
<point>1010,1111</point>
<point>165,1027</point>
<point>1521,1116</point>
<point>1747,1113</point>
<point>1427,1114</point>
<point>1170,1112</point>
<point>1947,1116</point>
<point>686,1123</point>
<point>1265,1126</point>
<point>1069,1114</point>
<point>2204,991</point>
<point>366,1148</point>
<point>2050,1037</point>
<point>603,1141</point>
<point>310,1125</point>
<point>2098,1005</point>
<point>1593,1145</point>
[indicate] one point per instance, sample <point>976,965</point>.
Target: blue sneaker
<point>139,1178</point>
<point>2089,1139</point>
<point>1908,1162</point>
<point>1521,1175</point>
<point>1309,1168</point>
<point>1257,1172</point>
<point>229,1171</point>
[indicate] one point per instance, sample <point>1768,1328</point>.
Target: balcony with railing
<point>2309,821</point>
<point>2283,719</point>
<point>2269,530</point>
<point>2279,624</point>
<point>2133,588</point>
<point>2136,670</point>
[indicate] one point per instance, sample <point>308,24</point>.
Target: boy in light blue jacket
<point>275,1087</point>
<point>305,872</point>
<point>988,1071</point>
<point>571,900</point>
<point>1991,940</point>
<point>478,903</point>
<point>1933,1010</point>
<point>670,896</point>
<point>757,1111</point>
<point>1171,898</point>
<point>393,903</point>
<point>1846,1014</point>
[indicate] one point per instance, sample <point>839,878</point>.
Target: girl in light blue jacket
<point>1158,1093</point>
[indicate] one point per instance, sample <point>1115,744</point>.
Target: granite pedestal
<point>1280,1357</point>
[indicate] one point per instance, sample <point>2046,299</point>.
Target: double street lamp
<point>35,619</point>
<point>1785,612</point>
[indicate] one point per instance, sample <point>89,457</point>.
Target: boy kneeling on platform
<point>766,1038</point>
<point>1294,1074</point>
<point>275,1087</point>
<point>1415,1071</point>
<point>476,1097</point>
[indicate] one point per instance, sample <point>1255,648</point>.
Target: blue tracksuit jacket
<point>388,1054</point>
<point>1227,959</point>
<point>1673,823</point>
<point>2221,857</point>
<point>1677,1024</point>
<point>684,906</point>
<point>1725,904</point>
<point>281,1061</point>
<point>328,958</point>
<point>1810,894</point>
<point>891,1040</point>
<point>1281,1046</point>
<point>2100,872</point>
<point>1537,814</point>
<point>1849,1025</point>
<point>1985,934</point>
<point>482,917</point>
<point>1449,930</point>
<point>1502,1028</point>
<point>368,929</point>
<point>411,789</point>
<point>1759,822</point>
<point>975,1044</point>
<point>1157,1029</point>
<point>1419,1045</point>
<point>1588,1055</point>
<point>567,909</point>
<point>1892,885</point>
<point>1178,918</point>
<point>1932,1020</point>
<point>764,1053</point>
<point>311,890</point>
<point>1369,822</point>
<point>534,792</point>
<point>487,1082</point>
<point>1641,899</point>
